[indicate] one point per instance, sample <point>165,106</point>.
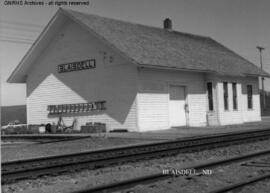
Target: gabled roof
<point>157,47</point>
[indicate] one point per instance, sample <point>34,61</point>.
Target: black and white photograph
<point>135,96</point>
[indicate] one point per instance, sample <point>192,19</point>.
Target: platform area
<point>182,132</point>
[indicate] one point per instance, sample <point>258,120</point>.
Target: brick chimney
<point>167,24</point>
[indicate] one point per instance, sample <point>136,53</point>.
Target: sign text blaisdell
<point>76,66</point>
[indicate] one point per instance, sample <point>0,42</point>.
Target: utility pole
<point>263,95</point>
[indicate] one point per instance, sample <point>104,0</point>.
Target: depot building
<point>135,77</point>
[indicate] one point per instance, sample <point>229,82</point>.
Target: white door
<point>177,106</point>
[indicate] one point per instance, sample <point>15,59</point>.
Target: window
<point>225,91</point>
<point>210,96</point>
<point>234,91</point>
<point>249,95</point>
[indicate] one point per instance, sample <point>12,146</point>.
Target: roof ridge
<point>143,44</point>
<point>138,24</point>
<point>164,34</point>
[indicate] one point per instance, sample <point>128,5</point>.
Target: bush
<point>15,122</point>
<point>20,129</point>
<point>15,129</point>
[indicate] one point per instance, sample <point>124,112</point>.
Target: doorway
<point>177,113</point>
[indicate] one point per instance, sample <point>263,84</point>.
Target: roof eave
<point>151,66</point>
<point>258,75</point>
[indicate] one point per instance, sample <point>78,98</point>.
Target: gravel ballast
<point>89,178</point>
<point>222,176</point>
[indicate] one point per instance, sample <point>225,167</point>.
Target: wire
<point>14,35</point>
<point>16,41</point>
<point>23,38</point>
<point>20,29</point>
<point>16,38</point>
<point>20,24</point>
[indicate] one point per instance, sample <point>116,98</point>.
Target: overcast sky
<point>240,25</point>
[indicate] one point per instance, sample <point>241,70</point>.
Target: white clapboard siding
<point>242,114</point>
<point>153,111</point>
<point>113,80</point>
<point>153,97</point>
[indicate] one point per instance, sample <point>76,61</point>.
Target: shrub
<point>15,129</point>
<point>20,129</point>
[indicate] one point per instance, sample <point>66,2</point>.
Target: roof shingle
<point>159,47</point>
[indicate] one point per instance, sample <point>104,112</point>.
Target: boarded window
<point>249,97</point>
<point>225,91</point>
<point>234,91</point>
<point>210,96</point>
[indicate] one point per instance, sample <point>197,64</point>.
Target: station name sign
<point>76,66</point>
<point>76,108</point>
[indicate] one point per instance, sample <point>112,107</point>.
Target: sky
<point>240,25</point>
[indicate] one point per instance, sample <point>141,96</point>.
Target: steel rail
<point>147,179</point>
<point>241,184</point>
<point>14,170</point>
<point>41,139</point>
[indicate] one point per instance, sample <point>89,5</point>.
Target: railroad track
<point>241,184</point>
<point>144,180</point>
<point>39,139</point>
<point>15,170</point>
